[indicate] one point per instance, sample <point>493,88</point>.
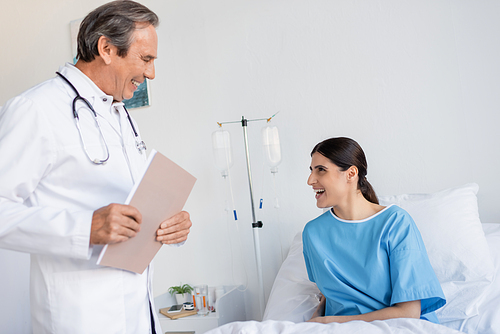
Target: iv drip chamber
<point>221,145</point>
<point>272,149</point>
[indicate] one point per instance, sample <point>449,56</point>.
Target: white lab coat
<point>48,192</point>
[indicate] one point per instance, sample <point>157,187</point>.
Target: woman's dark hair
<point>345,152</point>
<point>115,20</point>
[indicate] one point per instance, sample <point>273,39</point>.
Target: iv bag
<point>221,145</point>
<point>271,143</point>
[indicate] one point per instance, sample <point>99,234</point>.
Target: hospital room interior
<point>415,83</point>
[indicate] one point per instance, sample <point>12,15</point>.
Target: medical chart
<point>161,193</point>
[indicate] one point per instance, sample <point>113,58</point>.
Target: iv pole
<point>256,225</point>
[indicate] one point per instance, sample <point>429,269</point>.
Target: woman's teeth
<point>318,192</point>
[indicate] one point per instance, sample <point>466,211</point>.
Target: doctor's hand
<point>114,223</point>
<point>175,229</point>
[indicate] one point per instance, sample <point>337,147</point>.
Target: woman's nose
<point>311,180</point>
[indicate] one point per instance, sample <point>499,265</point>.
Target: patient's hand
<point>320,310</point>
<point>409,309</point>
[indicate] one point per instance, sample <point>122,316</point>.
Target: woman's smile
<point>318,192</point>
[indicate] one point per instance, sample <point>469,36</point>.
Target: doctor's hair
<point>344,153</point>
<point>116,21</point>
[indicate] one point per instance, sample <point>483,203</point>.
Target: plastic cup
<point>201,298</point>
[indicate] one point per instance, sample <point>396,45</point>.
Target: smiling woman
<point>368,261</point>
<point>339,155</point>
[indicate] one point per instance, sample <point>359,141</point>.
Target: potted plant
<point>182,293</point>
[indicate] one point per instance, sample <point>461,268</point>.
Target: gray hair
<point>116,21</point>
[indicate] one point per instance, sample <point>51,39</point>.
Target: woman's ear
<point>105,49</point>
<point>351,173</point>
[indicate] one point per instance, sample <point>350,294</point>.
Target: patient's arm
<point>401,310</point>
<point>320,310</point>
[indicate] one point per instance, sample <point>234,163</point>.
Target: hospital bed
<point>464,253</point>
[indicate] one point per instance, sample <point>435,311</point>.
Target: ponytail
<point>367,190</point>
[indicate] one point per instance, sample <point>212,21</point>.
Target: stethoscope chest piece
<point>141,145</point>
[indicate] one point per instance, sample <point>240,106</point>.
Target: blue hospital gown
<point>365,265</point>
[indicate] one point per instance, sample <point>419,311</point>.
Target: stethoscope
<point>139,144</point>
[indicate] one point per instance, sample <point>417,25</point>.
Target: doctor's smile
<point>136,83</point>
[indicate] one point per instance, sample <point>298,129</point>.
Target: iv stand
<point>256,225</point>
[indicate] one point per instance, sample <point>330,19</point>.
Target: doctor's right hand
<point>114,223</point>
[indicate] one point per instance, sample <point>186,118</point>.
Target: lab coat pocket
<point>88,301</point>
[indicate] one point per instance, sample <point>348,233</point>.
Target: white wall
<point>414,82</point>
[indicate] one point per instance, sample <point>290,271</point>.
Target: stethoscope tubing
<point>140,145</point>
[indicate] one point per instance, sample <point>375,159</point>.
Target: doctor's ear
<point>105,49</point>
<point>351,173</point>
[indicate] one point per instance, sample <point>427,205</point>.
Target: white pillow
<point>293,297</point>
<point>456,245</point>
<point>453,236</point>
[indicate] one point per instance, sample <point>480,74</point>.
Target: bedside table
<point>229,308</point>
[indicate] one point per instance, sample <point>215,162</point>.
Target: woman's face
<point>328,182</point>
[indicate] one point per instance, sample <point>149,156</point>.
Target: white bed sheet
<point>392,326</point>
<point>488,319</point>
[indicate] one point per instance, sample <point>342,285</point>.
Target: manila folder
<point>160,194</point>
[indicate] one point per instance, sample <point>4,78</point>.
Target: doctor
<point>58,197</point>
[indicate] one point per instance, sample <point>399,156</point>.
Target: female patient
<point>368,261</point>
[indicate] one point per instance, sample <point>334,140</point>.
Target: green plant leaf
<point>180,289</point>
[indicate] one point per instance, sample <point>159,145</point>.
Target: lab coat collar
<point>86,87</point>
<point>101,102</point>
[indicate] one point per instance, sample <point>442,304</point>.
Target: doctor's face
<point>328,181</point>
<point>130,71</point>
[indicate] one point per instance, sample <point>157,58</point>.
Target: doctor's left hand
<point>175,229</point>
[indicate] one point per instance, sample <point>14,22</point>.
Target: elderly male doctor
<point>55,193</point>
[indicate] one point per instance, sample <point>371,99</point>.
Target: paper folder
<point>161,193</point>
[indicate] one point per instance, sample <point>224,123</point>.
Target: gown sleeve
<point>412,276</point>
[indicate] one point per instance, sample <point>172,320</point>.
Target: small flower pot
<point>183,298</point>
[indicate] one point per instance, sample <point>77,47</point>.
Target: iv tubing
<point>245,286</point>
<point>226,149</point>
<point>276,203</point>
